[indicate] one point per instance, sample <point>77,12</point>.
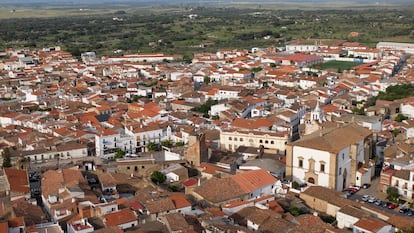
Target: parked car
<point>403,210</point>
<point>392,206</point>
<point>409,212</point>
<point>348,193</point>
<point>385,204</point>
<point>372,199</point>
<point>355,187</point>
<point>378,202</point>
<point>365,198</point>
<point>350,189</point>
<point>365,186</point>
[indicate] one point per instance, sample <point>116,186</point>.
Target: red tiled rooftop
<point>371,224</point>
<point>190,182</point>
<point>180,201</point>
<point>253,179</point>
<point>4,227</point>
<point>18,180</point>
<point>136,206</point>
<point>16,222</point>
<point>120,217</point>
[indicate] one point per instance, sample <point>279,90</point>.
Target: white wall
<point>318,156</point>
<point>217,108</point>
<point>234,209</point>
<point>408,110</point>
<point>345,221</point>
<point>172,177</point>
<point>128,224</point>
<point>107,208</point>
<point>343,162</point>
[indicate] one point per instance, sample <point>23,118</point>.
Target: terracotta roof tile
<point>16,222</point>
<point>334,139</point>
<point>371,224</point>
<point>18,180</point>
<point>120,217</point>
<point>253,179</point>
<point>160,205</point>
<point>180,201</point>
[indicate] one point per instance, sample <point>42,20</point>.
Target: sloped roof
<point>120,217</point>
<point>218,190</point>
<point>180,201</point>
<point>334,139</point>
<point>253,179</point>
<point>161,205</point>
<point>371,224</point>
<point>18,180</point>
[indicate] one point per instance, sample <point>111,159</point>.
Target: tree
<point>119,154</point>
<point>358,111</point>
<point>215,117</point>
<point>206,107</point>
<point>395,132</point>
<point>178,144</point>
<point>400,117</point>
<point>173,188</point>
<point>6,158</point>
<point>207,80</point>
<point>295,211</point>
<point>158,178</point>
<point>166,143</point>
<point>392,194</point>
<point>151,146</point>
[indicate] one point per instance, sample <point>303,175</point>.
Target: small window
<point>300,162</point>
<point>142,166</point>
<point>128,168</point>
<point>322,167</point>
<point>235,139</point>
<point>266,142</point>
<point>260,141</point>
<point>241,139</point>
<point>230,138</point>
<point>340,171</point>
<point>272,142</point>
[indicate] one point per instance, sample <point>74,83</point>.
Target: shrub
<point>157,177</point>
<point>295,185</point>
<point>393,194</point>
